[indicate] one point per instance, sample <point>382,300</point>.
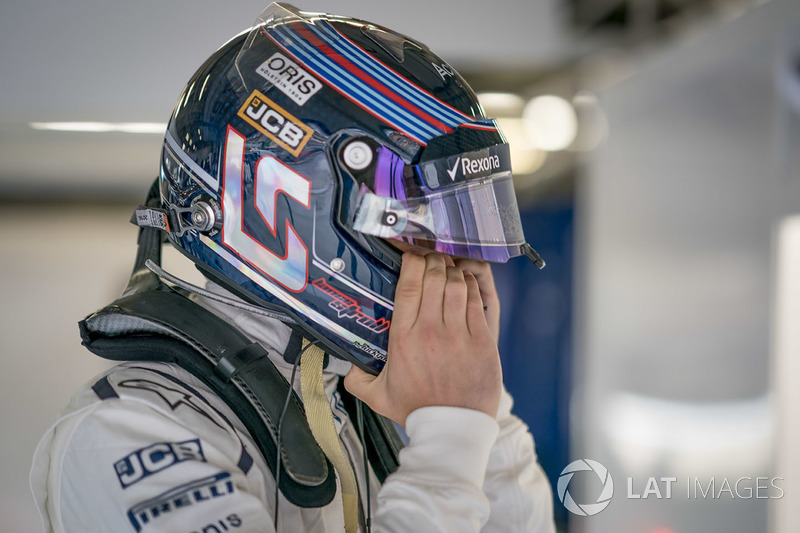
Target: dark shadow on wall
<point>536,335</point>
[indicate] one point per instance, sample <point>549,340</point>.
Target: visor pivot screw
<point>389,219</point>
<point>198,218</point>
<point>202,216</point>
<point>357,155</point>
<point>337,264</point>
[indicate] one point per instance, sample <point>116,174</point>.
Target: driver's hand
<point>442,351</point>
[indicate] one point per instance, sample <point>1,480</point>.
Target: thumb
<point>358,383</point>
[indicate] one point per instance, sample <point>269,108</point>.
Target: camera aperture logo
<point>585,509</point>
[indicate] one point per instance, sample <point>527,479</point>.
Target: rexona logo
<point>289,78</point>
<point>470,166</point>
<point>275,122</point>
<point>585,509</point>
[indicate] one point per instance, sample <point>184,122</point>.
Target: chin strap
<point>320,420</point>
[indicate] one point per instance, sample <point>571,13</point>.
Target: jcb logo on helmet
<point>275,122</point>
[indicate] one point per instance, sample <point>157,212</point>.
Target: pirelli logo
<point>275,122</point>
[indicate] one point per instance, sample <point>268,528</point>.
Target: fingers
<point>433,285</point>
<point>476,321</point>
<point>479,268</point>
<point>430,289</point>
<point>408,294</point>
<point>438,324</point>
<point>455,299</point>
<point>357,382</point>
<point>482,272</point>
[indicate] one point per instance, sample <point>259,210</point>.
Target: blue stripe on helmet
<point>389,77</point>
<point>343,80</point>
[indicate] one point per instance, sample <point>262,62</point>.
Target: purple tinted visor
<point>473,217</point>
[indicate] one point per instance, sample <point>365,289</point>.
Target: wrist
<point>459,438</point>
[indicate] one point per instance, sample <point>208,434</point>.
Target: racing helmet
<point>303,144</point>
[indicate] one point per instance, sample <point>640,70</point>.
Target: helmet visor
<point>462,205</point>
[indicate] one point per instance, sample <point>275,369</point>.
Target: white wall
<point>677,213</point>
<point>96,60</point>
<point>59,264</point>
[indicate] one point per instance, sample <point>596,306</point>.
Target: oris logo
<point>276,123</point>
<point>289,78</point>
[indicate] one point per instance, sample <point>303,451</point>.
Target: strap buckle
<point>204,216</point>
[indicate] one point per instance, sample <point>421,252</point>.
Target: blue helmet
<point>303,144</point>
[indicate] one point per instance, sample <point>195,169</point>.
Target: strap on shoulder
<point>153,322</point>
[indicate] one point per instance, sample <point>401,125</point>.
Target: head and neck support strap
<point>152,321</point>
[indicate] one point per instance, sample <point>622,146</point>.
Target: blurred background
<point>656,148</point>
